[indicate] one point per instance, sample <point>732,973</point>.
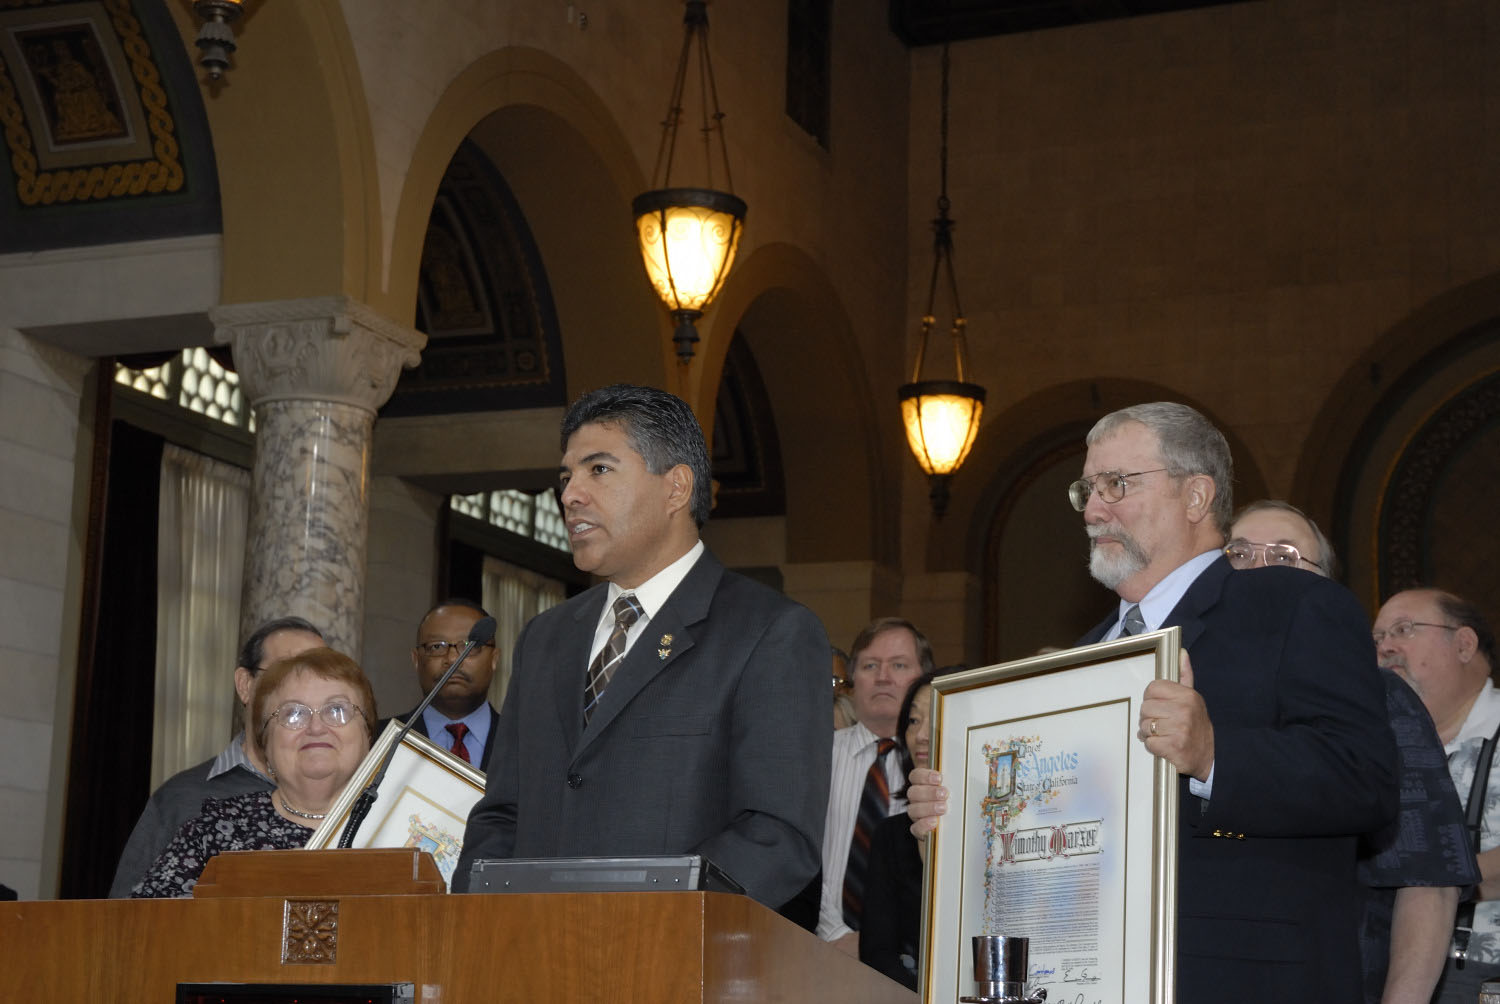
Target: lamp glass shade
<point>688,238</point>
<point>942,419</point>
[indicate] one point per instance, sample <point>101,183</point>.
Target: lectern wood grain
<point>652,948</point>
<point>368,871</point>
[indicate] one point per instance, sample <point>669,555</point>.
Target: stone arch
<point>573,174</point>
<point>1399,457</point>
<point>291,131</point>
<point>1012,527</point>
<point>783,305</point>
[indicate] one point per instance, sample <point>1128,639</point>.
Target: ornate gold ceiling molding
<point>76,110</point>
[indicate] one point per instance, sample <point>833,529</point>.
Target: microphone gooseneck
<point>482,633</point>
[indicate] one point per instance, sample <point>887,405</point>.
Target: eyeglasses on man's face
<point>443,649</point>
<point>1111,486</point>
<point>1243,553</point>
<point>296,716</point>
<point>1405,629</point>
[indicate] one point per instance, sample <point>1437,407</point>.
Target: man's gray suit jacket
<point>711,738</point>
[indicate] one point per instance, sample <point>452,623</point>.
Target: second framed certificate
<point>1061,827</point>
<point>423,801</point>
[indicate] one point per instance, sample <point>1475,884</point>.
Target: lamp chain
<point>942,258</point>
<point>695,23</point>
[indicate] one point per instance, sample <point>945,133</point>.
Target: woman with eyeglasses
<point>312,715</point>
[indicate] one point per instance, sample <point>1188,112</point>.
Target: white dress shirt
<point>853,752</point>
<point>651,594</point>
<point>1156,607</point>
<point>478,722</point>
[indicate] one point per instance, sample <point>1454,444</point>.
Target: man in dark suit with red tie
<point>460,718</point>
<point>674,708</point>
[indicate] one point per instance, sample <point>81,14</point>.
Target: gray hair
<point>1327,560</point>
<point>253,651</point>
<point>661,428</point>
<point>1189,445</point>
<point>1466,614</point>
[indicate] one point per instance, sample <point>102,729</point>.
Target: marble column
<point>314,371</point>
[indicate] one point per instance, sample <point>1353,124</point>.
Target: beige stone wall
<point>624,57</point>
<point>40,390</point>
<point>1228,206</point>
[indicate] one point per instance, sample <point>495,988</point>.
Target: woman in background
<point>313,712</point>
<point>892,918</point>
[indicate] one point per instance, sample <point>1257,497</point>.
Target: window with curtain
<point>514,595</point>
<point>203,514</point>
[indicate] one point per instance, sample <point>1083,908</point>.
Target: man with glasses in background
<point>1442,645</point>
<point>237,770</point>
<point>460,718</point>
<point>1277,726</point>
<point>1416,867</point>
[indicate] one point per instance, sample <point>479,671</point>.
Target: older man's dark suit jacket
<point>711,738</point>
<point>445,740</point>
<point>1304,762</point>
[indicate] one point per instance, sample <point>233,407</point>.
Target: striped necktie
<point>1134,622</point>
<point>627,611</point>
<point>874,805</point>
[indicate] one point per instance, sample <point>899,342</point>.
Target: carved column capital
<point>328,348</point>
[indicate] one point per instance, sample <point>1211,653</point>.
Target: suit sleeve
<point>146,843</point>
<point>1326,766</point>
<point>491,830</point>
<point>779,763</point>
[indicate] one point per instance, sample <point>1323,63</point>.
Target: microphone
<point>482,633</point>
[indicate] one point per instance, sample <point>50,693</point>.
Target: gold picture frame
<point>1061,827</point>
<point>423,801</point>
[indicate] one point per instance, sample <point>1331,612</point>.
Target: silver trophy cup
<point>1000,971</point>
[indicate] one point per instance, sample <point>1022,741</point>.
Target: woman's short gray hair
<point>1189,445</point>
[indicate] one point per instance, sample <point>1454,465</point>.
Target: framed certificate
<point>1061,827</point>
<point>423,802</point>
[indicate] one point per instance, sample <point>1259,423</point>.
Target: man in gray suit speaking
<point>676,707</point>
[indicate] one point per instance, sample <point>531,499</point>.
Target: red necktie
<point>874,805</point>
<point>459,730</point>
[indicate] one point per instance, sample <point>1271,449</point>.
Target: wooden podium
<point>370,916</point>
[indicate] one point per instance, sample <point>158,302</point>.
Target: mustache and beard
<point>1112,567</point>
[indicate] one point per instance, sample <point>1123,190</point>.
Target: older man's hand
<point>926,800</point>
<point>1174,724</point>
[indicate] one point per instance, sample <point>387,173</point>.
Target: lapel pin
<point>662,653</point>
<point>666,639</point>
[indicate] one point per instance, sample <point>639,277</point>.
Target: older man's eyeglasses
<point>1111,486</point>
<point>443,649</point>
<point>1402,630</point>
<point>296,716</point>
<point>1244,554</point>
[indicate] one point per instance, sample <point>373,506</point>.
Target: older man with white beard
<point>1277,727</point>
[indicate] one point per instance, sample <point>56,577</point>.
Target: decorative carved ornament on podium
<point>310,931</point>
